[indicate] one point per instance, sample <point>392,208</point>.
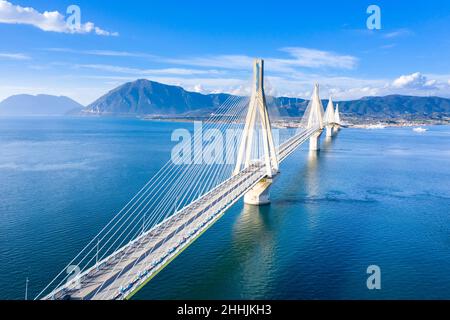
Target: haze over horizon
<point>38,95</point>
<point>208,47</point>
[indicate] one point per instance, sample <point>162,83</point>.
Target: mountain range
<point>38,105</point>
<point>149,98</point>
<point>144,97</point>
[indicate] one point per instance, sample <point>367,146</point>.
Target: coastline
<point>350,121</point>
<point>295,123</point>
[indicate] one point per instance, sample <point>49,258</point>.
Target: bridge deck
<point>125,271</point>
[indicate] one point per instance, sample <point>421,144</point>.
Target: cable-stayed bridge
<point>189,194</point>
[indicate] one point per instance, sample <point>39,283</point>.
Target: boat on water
<point>420,129</point>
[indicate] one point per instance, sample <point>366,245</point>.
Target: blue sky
<point>208,46</point>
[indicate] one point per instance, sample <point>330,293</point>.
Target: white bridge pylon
<point>337,119</point>
<point>314,116</point>
<point>257,111</point>
<point>332,119</point>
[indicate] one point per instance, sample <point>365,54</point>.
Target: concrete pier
<point>259,194</point>
<point>314,144</point>
<point>330,130</point>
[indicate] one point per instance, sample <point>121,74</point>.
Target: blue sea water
<point>369,197</point>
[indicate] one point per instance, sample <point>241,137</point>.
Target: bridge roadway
<point>125,271</point>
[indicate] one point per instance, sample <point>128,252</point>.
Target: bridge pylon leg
<point>330,130</point>
<point>314,144</point>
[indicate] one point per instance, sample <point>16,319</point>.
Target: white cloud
<point>147,72</point>
<point>299,57</point>
<point>313,58</point>
<point>239,62</point>
<point>240,90</point>
<point>341,88</point>
<point>398,33</point>
<point>47,21</point>
<point>199,88</point>
<point>104,53</point>
<point>414,81</point>
<point>14,56</point>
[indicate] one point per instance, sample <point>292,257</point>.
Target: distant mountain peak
<point>146,97</point>
<point>40,104</point>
